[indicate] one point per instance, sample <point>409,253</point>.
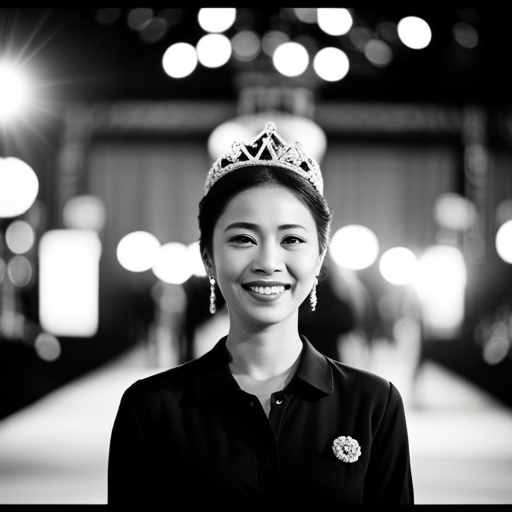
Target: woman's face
<point>265,255</point>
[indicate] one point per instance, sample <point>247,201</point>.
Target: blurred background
<point>110,119</point>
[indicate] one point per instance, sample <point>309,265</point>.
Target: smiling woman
<point>229,423</point>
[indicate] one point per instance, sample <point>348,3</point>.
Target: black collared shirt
<point>190,435</point>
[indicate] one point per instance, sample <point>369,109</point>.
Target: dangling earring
<point>213,308</point>
<point>312,296</point>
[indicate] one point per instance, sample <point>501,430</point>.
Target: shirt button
<point>252,403</point>
<point>280,400</point>
<point>268,465</point>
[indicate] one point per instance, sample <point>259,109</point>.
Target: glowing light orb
<point>19,237</point>
<point>47,347</point>
<point>354,247</point>
<point>137,251</point>
<point>291,59</point>
<point>331,64</point>
<point>378,53</point>
<point>215,19</point>
<point>84,212</point>
<point>398,265</point>
<point>246,45</point>
<point>13,90</point>
<point>172,264</point>
<point>453,211</point>
<point>213,50</point>
<point>179,60</point>
<point>18,187</point>
<point>414,32</point>
<point>334,21</point>
<point>504,241</point>
<point>196,262</point>
<point>440,284</point>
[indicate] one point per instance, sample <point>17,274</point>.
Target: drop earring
<point>312,296</point>
<point>213,307</point>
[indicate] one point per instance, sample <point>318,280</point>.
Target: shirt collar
<point>212,372</point>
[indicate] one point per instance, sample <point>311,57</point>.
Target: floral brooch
<point>346,449</point>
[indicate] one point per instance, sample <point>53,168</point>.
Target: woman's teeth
<point>267,290</point>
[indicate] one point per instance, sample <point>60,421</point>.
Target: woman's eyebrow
<point>254,227</point>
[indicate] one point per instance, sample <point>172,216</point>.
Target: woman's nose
<point>268,259</point>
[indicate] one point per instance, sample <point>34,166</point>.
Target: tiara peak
<point>269,149</point>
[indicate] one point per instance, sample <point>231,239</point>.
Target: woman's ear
<point>320,262</point>
<point>208,263</point>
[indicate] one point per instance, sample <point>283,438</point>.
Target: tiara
<point>268,148</point>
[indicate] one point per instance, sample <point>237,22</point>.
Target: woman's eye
<point>242,239</point>
<point>293,240</point>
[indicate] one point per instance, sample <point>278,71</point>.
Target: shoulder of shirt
<point>362,380</point>
<point>173,378</point>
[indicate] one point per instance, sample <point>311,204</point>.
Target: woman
<point>263,416</point>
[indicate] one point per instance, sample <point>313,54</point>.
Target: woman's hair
<point>215,202</point>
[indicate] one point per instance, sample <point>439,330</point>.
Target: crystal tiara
<point>269,149</point>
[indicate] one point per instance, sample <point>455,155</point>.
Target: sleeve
<point>128,453</point>
<point>389,478</point>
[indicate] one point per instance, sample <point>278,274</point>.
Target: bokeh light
<point>331,64</point>
<point>465,34</point>
<point>378,53</point>
<point>69,282</point>
<point>440,284</point>
<point>213,50</point>
<point>84,212</point>
<point>137,251</point>
<point>246,45</point>
<point>19,270</point>
<point>354,247</point>
<point>414,32</point>
<point>453,211</point>
<point>398,265</point>
<point>334,21</point>
<point>173,264</point>
<point>272,40</point>
<point>196,262</point>
<point>19,237</point>
<point>19,187</point>
<point>179,60</point>
<point>504,241</point>
<point>291,59</point>
<point>13,90</point>
<point>47,347</point>
<point>215,19</point>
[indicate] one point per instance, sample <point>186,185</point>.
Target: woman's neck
<point>265,354</point>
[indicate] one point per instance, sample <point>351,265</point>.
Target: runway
<point>55,451</point>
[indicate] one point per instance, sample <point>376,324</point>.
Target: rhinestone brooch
<point>346,449</point>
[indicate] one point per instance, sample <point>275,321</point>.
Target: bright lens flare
<point>19,187</point>
<point>213,50</point>
<point>13,91</point>
<point>398,265</point>
<point>414,32</point>
<point>331,64</point>
<point>291,59</point>
<point>215,19</point>
<point>334,21</point>
<point>354,247</point>
<point>173,264</point>
<point>504,241</point>
<point>179,60</point>
<point>137,251</point>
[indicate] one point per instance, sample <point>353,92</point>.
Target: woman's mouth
<point>266,292</point>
